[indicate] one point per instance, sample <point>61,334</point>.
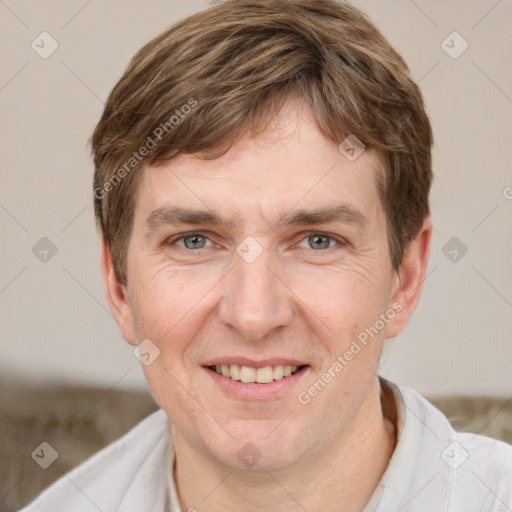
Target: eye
<point>314,240</point>
<point>320,241</point>
<point>192,241</point>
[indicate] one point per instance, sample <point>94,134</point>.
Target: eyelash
<point>340,241</point>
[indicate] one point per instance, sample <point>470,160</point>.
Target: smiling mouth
<point>248,374</point>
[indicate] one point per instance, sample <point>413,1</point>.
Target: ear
<point>408,281</point>
<point>117,295</point>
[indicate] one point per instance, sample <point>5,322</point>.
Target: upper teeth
<point>259,375</point>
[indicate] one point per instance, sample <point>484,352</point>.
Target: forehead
<point>291,165</point>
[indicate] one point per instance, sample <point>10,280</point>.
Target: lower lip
<point>254,391</point>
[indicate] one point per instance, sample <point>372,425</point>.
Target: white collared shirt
<point>432,469</point>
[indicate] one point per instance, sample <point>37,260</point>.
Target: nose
<point>255,298</point>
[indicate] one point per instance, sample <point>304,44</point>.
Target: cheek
<point>168,307</point>
<point>170,311</point>
<point>346,298</point>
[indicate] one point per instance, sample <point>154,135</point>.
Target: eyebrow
<point>173,215</point>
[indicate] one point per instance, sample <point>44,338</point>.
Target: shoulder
<point>485,462</point>
<point>122,476</point>
<point>466,469</point>
<point>479,448</point>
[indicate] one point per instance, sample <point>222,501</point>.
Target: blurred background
<point>65,370</point>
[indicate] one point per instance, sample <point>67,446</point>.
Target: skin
<point>295,300</point>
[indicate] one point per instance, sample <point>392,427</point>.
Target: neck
<point>343,477</point>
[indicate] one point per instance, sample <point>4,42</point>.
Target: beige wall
<point>54,320</point>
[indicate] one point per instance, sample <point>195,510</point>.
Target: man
<point>261,186</point>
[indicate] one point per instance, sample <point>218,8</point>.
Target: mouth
<point>245,379</point>
<point>261,375</point>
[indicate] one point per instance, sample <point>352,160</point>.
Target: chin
<point>256,446</point>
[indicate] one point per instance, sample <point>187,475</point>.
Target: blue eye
<point>319,241</point>
<point>314,240</point>
<point>193,241</point>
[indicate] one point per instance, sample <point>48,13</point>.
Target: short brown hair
<point>226,71</point>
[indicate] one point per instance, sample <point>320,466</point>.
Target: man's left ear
<point>408,280</point>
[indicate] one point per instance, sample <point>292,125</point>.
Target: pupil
<point>318,239</point>
<point>194,239</point>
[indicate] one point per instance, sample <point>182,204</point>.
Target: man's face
<point>261,292</point>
